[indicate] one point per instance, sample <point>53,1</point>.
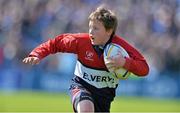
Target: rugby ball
<point>110,51</point>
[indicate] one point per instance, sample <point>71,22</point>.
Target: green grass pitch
<point>58,102</point>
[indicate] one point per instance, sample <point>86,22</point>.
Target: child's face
<point>98,33</point>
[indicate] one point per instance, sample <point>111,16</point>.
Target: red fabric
<point>136,63</point>
<point>80,44</point>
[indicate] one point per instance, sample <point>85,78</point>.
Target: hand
<point>115,62</point>
<point>31,60</point>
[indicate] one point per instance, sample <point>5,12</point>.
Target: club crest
<point>89,55</point>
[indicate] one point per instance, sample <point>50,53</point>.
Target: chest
<point>88,56</point>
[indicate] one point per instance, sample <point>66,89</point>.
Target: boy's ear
<point>109,31</point>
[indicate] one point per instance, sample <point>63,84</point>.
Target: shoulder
<point>119,40</point>
<point>81,35</point>
<point>73,36</point>
<point>77,36</point>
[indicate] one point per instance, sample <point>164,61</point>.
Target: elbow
<point>144,71</point>
<point>140,69</point>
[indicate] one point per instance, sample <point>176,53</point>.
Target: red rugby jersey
<point>80,44</point>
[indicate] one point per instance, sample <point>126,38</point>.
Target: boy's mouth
<point>92,38</point>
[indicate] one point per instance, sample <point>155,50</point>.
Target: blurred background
<point>152,26</point>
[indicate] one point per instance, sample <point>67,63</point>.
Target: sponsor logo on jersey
<point>96,78</point>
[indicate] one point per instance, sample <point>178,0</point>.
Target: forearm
<point>138,67</point>
<point>44,50</point>
<point>62,43</point>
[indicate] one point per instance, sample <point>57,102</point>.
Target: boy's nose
<point>91,31</point>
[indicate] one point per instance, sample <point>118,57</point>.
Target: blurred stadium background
<point>153,26</point>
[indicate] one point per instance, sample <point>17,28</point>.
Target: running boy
<point>93,87</point>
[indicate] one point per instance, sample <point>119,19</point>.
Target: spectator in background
<point>152,25</point>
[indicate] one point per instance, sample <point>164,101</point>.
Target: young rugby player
<point>93,87</point>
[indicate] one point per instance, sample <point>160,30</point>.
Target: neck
<point>110,39</point>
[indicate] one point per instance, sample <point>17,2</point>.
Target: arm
<point>138,66</point>
<point>135,64</point>
<point>62,43</point>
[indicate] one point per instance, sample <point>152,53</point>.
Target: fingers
<point>111,68</point>
<point>35,61</point>
<point>110,61</point>
<point>114,62</point>
<point>25,60</point>
<point>110,64</point>
<point>120,53</point>
<point>31,60</point>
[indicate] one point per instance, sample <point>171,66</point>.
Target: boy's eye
<point>95,28</point>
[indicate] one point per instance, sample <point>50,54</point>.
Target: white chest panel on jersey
<point>97,78</point>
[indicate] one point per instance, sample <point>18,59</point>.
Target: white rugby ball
<point>110,51</point>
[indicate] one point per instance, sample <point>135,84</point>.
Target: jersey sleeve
<point>136,63</point>
<point>62,43</point>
